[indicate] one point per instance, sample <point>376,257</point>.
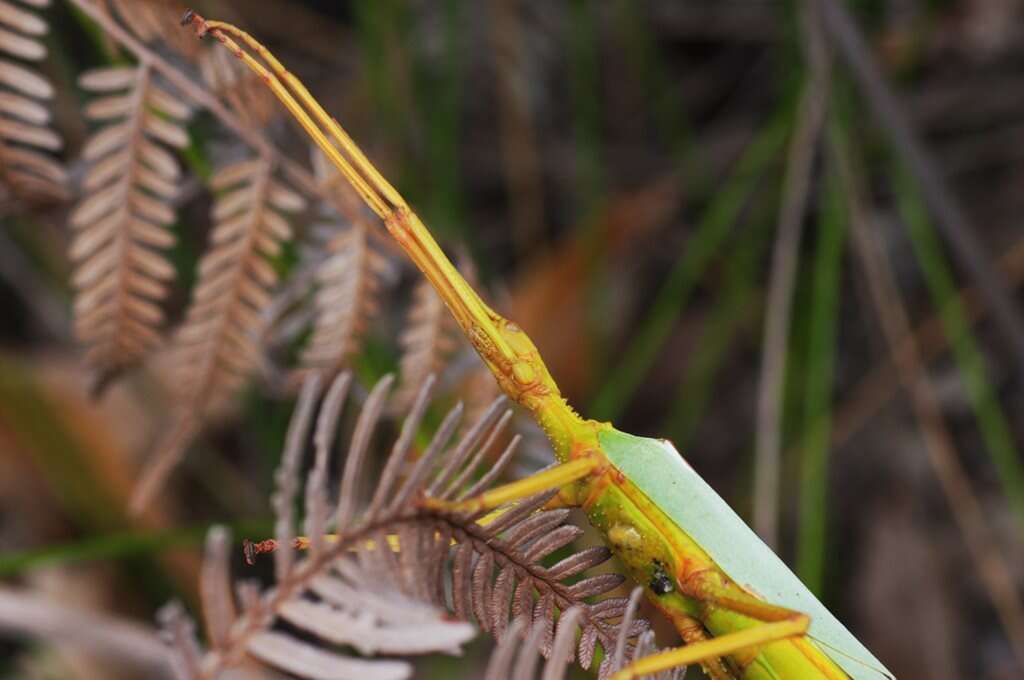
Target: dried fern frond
<point>153,20</point>
<point>516,655</point>
<point>330,599</point>
<point>123,222</point>
<point>27,613</point>
<point>27,170</point>
<point>217,348</point>
<point>431,342</point>
<point>478,388</point>
<point>428,341</point>
<point>344,606</point>
<point>239,87</point>
<point>488,572</point>
<point>350,272</point>
<point>349,281</point>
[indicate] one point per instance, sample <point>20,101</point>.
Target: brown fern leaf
<point>478,388</point>
<point>331,598</point>
<point>122,223</point>
<point>239,87</point>
<point>340,606</point>
<point>154,20</point>
<point>499,573</point>
<point>492,572</point>
<point>217,348</point>
<point>428,341</point>
<point>517,654</point>
<point>347,299</point>
<point>27,170</point>
<point>432,344</point>
<point>349,278</point>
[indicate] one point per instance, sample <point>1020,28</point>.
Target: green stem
<point>818,386</point>
<point>584,86</point>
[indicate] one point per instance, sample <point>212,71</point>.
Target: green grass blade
<point>585,90</point>
<point>441,94</point>
<point>818,386</point>
<point>377,24</point>
<point>664,94</point>
<point>708,237</point>
<point>731,310</point>
<point>992,421</point>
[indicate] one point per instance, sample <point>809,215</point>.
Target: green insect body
<point>741,612</point>
<point>663,520</point>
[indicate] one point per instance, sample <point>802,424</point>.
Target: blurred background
<point>784,235</point>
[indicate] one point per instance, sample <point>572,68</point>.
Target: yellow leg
<point>366,180</point>
<point>504,347</point>
<point>552,478</point>
<point>692,631</point>
<point>565,499</point>
<point>714,648</point>
<point>709,588</point>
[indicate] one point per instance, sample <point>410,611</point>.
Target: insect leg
<point>692,631</point>
<point>714,648</point>
<point>554,477</point>
<point>713,590</point>
<point>778,623</point>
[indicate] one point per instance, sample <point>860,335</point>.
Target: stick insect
<point>740,611</point>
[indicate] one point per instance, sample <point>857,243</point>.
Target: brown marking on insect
<point>481,342</point>
<point>692,579</point>
<point>690,629</point>
<point>601,480</point>
<point>397,221</point>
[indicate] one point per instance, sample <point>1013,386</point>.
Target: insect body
<point>741,612</point>
<point>719,566</point>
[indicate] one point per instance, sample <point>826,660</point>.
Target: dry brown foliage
<point>28,171</point>
<point>123,221</point>
<point>353,588</point>
<point>216,349</point>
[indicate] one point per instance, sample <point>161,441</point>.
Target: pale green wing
<point>658,470</point>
